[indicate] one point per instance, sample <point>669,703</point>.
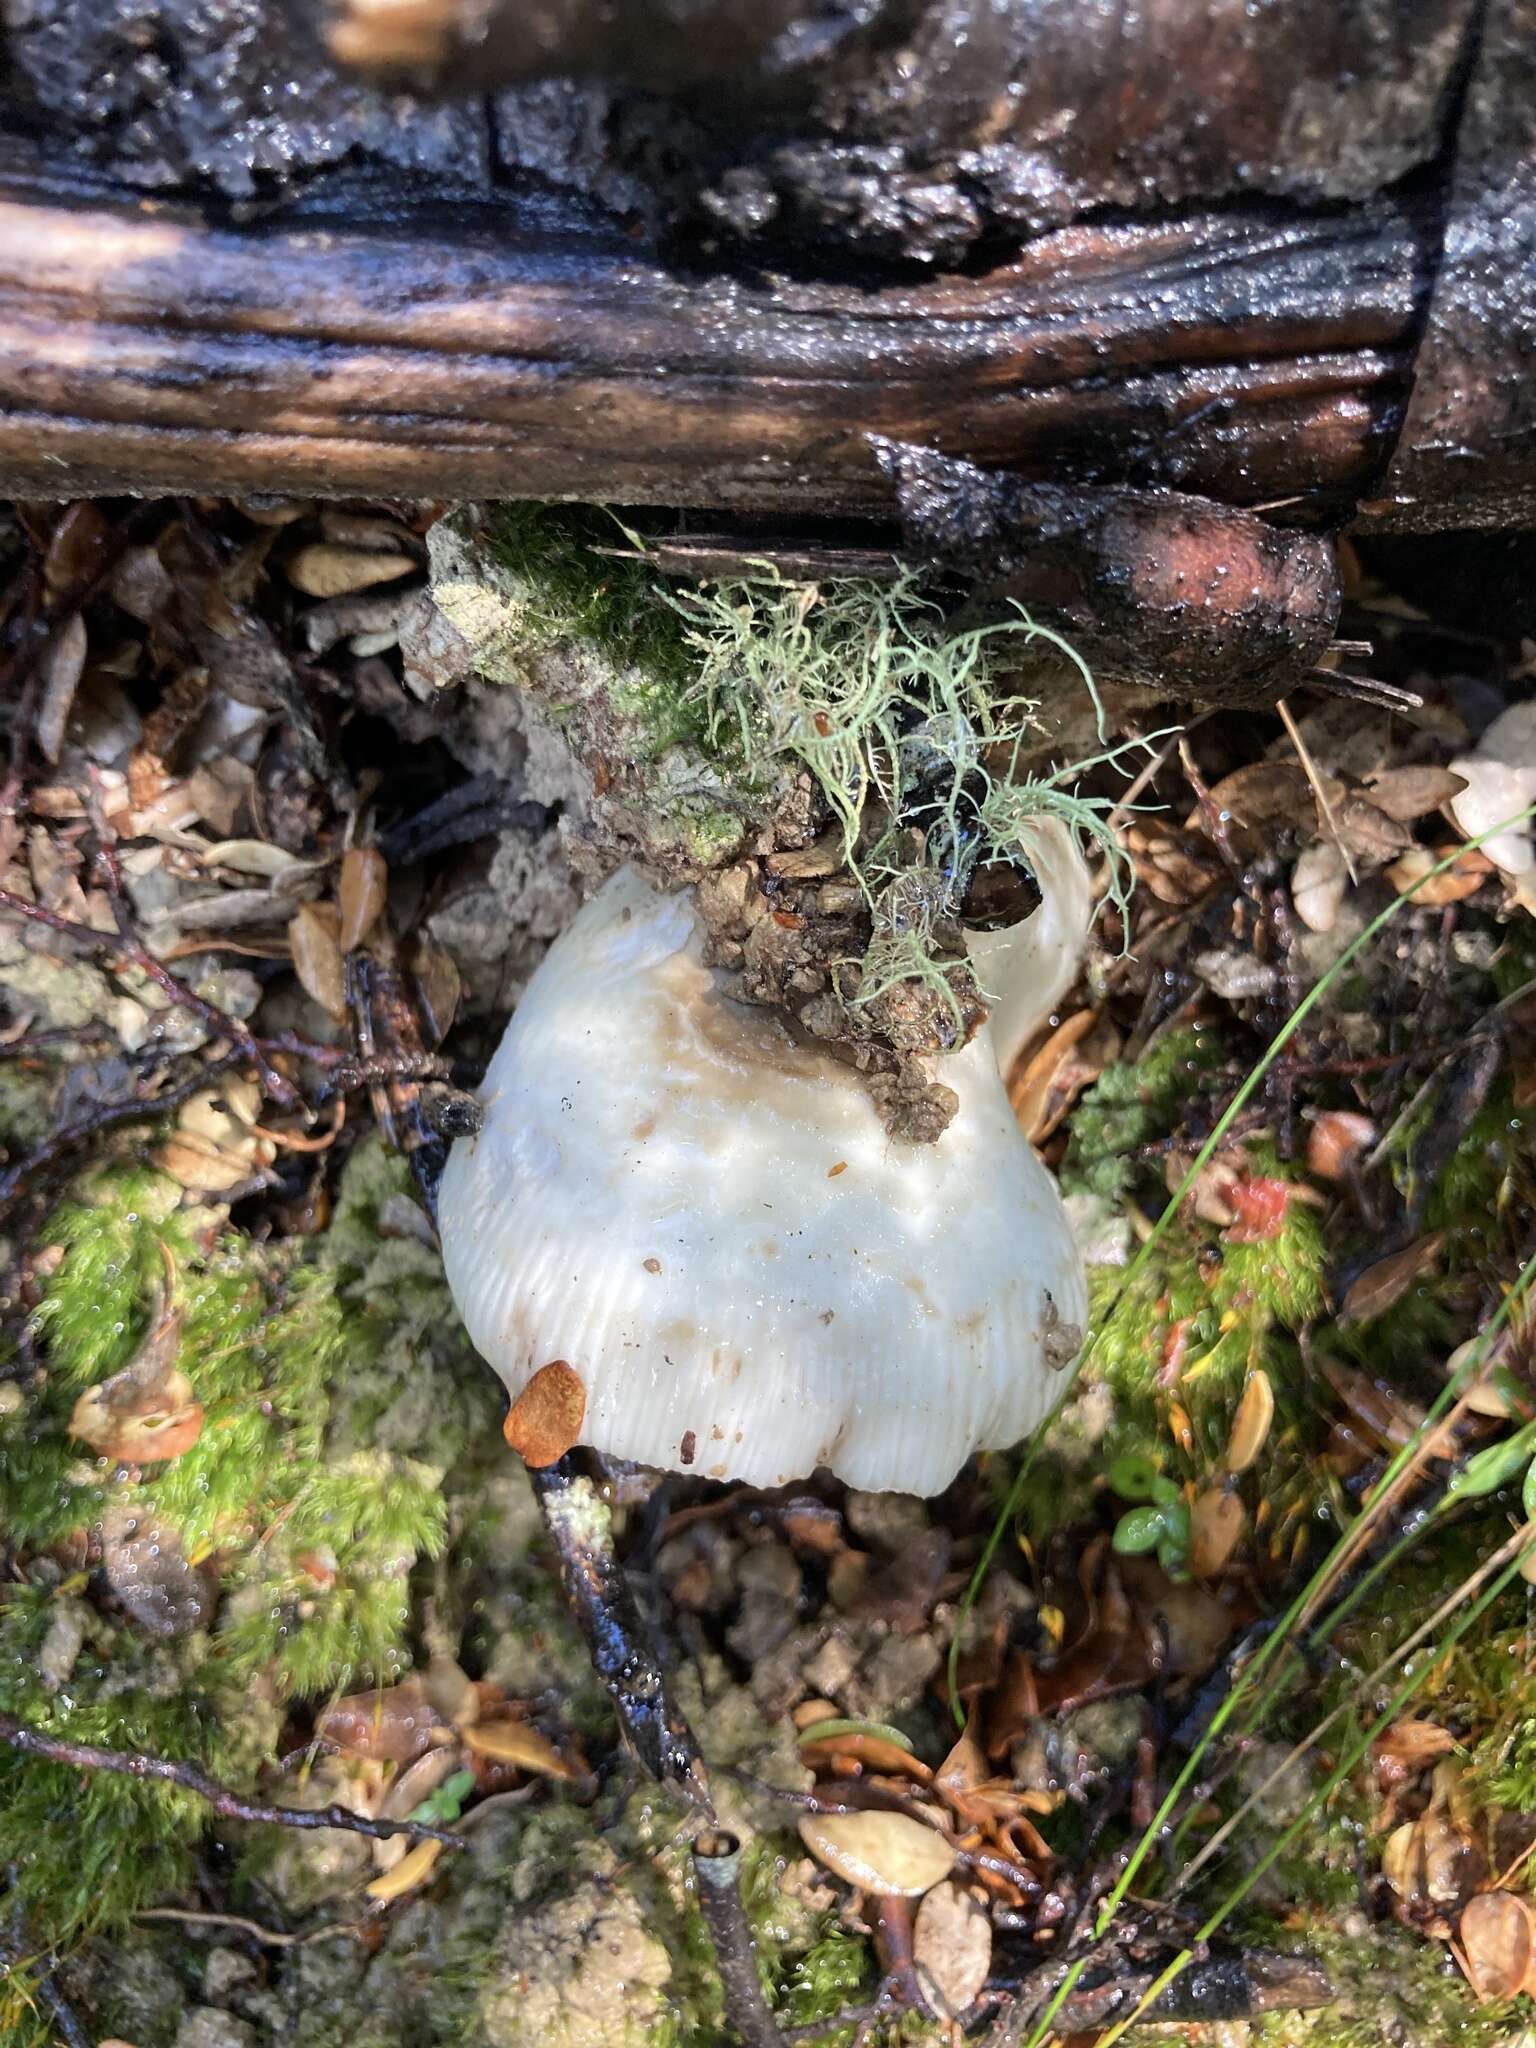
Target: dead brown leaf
<point>364,884</point>
<point>1408,793</point>
<point>61,669</point>
<point>1045,1085</point>
<point>1258,795</point>
<point>313,939</point>
<point>330,569</point>
<point>1383,1285</point>
<point>392,1724</point>
<point>146,1414</point>
<point>1367,833</point>
<point>952,1949</point>
<point>76,547</point>
<point>545,1420</point>
<point>1216,1523</point>
<point>1497,1939</point>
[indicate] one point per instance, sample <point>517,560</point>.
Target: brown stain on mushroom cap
<point>545,1420</point>
<point>739,1052</point>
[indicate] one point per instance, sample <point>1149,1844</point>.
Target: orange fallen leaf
<point>1215,1528</point>
<point>515,1742</point>
<point>545,1420</point>
<point>1251,1423</point>
<point>412,1869</point>
<point>1334,1140</point>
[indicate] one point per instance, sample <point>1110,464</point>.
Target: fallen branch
<point>86,1756</point>
<point>1242,354</point>
<point>617,1639</point>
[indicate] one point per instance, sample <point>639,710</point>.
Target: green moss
<point>1176,1348</point>
<point>571,592</point>
<point>1131,1104</point>
<point>835,1972</point>
<point>1486,1189</point>
<point>312,1538</point>
<point>1395,1989</point>
<point>89,1848</point>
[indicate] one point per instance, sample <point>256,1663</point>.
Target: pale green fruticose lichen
<point>605,668</point>
<point>741,717</point>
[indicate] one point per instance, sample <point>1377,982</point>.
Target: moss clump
<point>1173,1349</point>
<point>310,1540</point>
<point>573,592</point>
<point>1395,1990</point>
<point>1133,1103</point>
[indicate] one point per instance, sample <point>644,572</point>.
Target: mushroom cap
<point>1500,775</point>
<point>705,1218</point>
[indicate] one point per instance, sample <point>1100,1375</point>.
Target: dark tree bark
<point>1198,247</point>
<point>497,352</point>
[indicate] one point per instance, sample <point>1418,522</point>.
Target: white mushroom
<point>1500,775</point>
<point>698,1228</point>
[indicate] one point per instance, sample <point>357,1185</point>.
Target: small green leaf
<point>1134,1476</point>
<point>445,1804</point>
<point>1140,1530</point>
<point>818,1731</point>
<point>1494,1467</point>
<point>1528,1492</point>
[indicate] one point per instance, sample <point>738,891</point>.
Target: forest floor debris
<point>273,866</point>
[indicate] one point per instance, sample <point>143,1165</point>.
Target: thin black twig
<point>717,1866</point>
<point>86,1756</point>
<point>619,1644</point>
<point>107,1116</point>
<point>134,953</point>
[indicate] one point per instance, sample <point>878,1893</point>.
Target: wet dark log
<point>1198,247</point>
<point>1467,456</point>
<point>918,127</point>
<point>527,350</point>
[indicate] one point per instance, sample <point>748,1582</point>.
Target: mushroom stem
<point>717,1866</point>
<point>617,1640</point>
